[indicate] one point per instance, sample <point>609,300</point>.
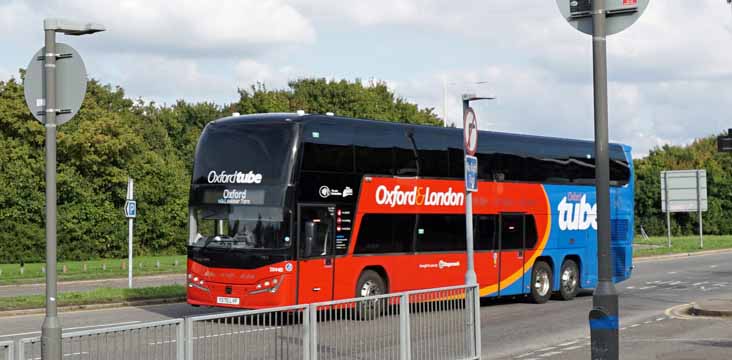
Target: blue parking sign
<point>471,173</point>
<point>131,208</point>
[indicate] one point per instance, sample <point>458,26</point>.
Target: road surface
<point>516,329</point>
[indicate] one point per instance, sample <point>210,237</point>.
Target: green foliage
<point>343,98</point>
<point>702,154</point>
<point>114,137</point>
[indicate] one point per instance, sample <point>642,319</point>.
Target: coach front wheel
<point>370,283</point>
<point>541,282</point>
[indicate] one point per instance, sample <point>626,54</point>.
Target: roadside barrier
<point>160,340</point>
<point>6,350</point>
<point>438,323</point>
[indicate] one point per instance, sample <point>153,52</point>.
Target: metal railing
<point>439,323</point>
<point>160,340</point>
<point>6,350</point>
<point>277,333</point>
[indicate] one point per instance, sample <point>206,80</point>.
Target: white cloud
<point>187,27</point>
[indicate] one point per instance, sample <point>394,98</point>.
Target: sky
<point>670,74</point>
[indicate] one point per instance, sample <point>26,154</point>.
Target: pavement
<point>651,322</point>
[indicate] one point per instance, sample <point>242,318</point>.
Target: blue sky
<point>670,74</point>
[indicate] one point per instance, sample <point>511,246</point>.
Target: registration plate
<point>227,300</point>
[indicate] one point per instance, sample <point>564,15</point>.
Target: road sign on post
<point>684,191</point>
<point>70,84</point>
<point>470,141</point>
<point>600,18</point>
<point>130,213</point>
<point>724,143</point>
<point>471,173</point>
<point>470,131</point>
<point>53,93</point>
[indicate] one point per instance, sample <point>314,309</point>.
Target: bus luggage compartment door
<point>316,238</point>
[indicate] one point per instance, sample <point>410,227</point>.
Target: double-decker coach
<point>290,208</point>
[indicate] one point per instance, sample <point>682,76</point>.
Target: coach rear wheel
<point>370,283</point>
<point>541,282</point>
<point>569,280</point>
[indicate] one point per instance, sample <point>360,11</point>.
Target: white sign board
<point>686,189</point>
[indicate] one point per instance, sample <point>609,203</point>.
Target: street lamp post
<point>51,328</point>
<point>445,84</point>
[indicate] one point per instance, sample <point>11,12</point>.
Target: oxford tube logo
<point>575,213</point>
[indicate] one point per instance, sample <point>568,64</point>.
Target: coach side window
<point>385,233</point>
<point>440,233</point>
<point>486,232</point>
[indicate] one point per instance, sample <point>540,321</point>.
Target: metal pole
<point>668,210</point>
<point>470,277</point>
<point>699,207</point>
<point>604,315</point>
<point>130,221</point>
<point>129,254</point>
<point>51,328</point>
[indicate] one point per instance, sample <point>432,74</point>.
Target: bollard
<point>65,269</point>
<point>157,264</point>
<point>176,263</point>
<point>104,266</point>
<point>1,272</point>
<point>84,267</point>
<point>22,270</point>
<point>43,269</point>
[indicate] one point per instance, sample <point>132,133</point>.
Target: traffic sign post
<point>600,18</point>
<point>470,142</point>
<point>130,214</point>
<point>62,74</point>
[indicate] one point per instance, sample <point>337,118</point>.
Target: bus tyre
<point>569,280</point>
<point>370,283</point>
<point>541,282</point>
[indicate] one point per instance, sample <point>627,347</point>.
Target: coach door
<point>316,236</point>
<point>512,248</point>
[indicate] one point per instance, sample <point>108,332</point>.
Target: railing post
<point>306,333</point>
<point>188,339</point>
<point>405,351</point>
<point>21,350</point>
<point>312,332</point>
<point>476,322</point>
<point>180,340</point>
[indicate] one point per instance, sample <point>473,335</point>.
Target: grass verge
<point>658,245</point>
<point>97,296</point>
<point>11,274</point>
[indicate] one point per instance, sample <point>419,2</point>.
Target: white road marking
<point>630,287</point>
<point>647,322</point>
<point>675,282</point>
<point>524,355</point>
<point>647,287</point>
<point>623,328</point>
<point>243,332</point>
<point>551,354</point>
<point>671,272</point>
<point>700,283</point>
<point>75,328</point>
<point>659,319</point>
<point>634,325</point>
<point>568,343</point>
<point>573,348</point>
<point>712,266</point>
